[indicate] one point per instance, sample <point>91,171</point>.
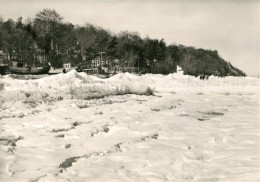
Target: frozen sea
<point>74,128</point>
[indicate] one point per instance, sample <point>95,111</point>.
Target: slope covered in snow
<point>76,127</point>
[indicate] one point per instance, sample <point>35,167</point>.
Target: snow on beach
<point>77,127</point>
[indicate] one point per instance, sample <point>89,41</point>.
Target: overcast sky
<point>231,27</point>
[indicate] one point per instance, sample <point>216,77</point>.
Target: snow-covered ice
<point>76,127</point>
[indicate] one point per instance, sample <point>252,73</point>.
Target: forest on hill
<point>48,37</point>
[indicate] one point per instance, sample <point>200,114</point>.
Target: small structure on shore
<point>66,67</point>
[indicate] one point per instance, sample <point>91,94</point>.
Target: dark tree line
<point>48,38</point>
<point>202,62</point>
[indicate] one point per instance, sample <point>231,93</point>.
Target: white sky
<point>231,27</point>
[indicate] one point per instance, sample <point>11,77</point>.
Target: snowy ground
<point>77,128</point>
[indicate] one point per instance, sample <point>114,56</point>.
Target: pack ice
<point>77,127</point>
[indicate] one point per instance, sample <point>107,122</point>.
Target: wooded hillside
<point>48,37</point>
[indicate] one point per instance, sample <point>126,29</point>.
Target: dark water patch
<point>141,100</point>
<point>60,130</point>
<point>118,147</point>
<point>76,123</point>
<point>212,113</point>
<point>164,107</point>
<point>99,113</point>
<point>171,107</point>
<point>155,109</point>
<point>155,136</point>
<point>67,146</point>
<point>203,119</point>
<point>60,136</point>
<point>83,106</point>
<point>9,141</point>
<point>68,162</point>
<point>105,129</point>
<point>21,115</point>
<point>35,112</point>
<point>145,138</point>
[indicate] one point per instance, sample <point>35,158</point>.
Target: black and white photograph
<point>129,90</point>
